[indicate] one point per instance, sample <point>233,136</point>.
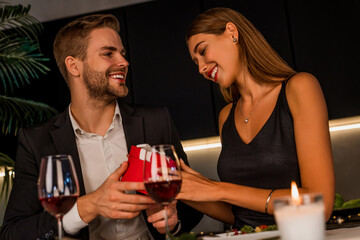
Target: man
<point>98,131</point>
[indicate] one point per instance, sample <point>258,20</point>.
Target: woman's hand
<point>196,187</point>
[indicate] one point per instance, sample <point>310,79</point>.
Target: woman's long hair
<point>263,63</point>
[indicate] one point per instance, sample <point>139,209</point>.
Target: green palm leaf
<point>19,61</point>
<point>8,165</point>
<point>16,113</point>
<point>16,18</point>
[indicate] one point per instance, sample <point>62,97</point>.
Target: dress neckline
<point>266,122</point>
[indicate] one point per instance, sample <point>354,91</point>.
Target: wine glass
<point>162,177</point>
<point>58,186</point>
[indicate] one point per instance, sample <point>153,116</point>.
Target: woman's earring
<point>234,40</point>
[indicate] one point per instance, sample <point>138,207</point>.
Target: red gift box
<point>136,159</point>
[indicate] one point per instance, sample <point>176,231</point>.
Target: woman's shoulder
<point>224,113</point>
<point>226,110</point>
<point>300,81</point>
<point>302,91</point>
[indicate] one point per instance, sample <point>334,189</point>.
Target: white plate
<point>248,236</point>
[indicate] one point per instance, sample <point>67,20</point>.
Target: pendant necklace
<point>253,109</point>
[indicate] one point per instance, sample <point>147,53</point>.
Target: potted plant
<point>20,62</point>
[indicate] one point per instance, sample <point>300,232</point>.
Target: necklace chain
<point>246,120</point>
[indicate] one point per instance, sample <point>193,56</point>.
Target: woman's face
<point>217,57</point>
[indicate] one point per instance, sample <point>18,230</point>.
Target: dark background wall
<point>319,37</point>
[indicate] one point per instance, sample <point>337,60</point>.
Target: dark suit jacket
<point>25,218</point>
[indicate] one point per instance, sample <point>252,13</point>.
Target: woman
<point>273,131</point>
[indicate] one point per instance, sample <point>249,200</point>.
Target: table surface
<point>335,234</point>
<point>343,234</point>
<point>347,233</point>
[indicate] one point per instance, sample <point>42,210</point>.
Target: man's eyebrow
<point>108,48</point>
<point>197,45</point>
<point>113,49</point>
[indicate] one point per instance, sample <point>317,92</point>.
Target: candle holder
<point>300,219</point>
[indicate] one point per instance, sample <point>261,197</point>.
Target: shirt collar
<point>116,121</point>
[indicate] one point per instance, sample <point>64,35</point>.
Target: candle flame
<point>295,197</point>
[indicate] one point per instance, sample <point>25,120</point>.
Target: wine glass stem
<point>60,232</point>
<point>166,224</point>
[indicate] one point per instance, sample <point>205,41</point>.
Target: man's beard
<point>98,86</point>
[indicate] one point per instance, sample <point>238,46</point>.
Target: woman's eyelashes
<point>202,52</point>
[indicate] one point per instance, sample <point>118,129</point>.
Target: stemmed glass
<point>58,186</point>
<point>162,177</point>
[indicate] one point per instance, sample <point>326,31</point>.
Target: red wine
<point>58,205</point>
<point>163,191</point>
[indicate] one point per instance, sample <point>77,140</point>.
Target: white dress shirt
<point>99,157</point>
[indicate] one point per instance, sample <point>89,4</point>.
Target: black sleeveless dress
<point>269,161</point>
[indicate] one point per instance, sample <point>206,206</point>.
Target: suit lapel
<point>133,125</point>
<point>64,140</point>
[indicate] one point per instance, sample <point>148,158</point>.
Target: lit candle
<point>300,217</point>
<point>295,196</point>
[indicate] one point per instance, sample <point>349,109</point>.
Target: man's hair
<point>72,39</point>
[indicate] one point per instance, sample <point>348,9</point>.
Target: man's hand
<point>111,201</point>
<point>155,213</point>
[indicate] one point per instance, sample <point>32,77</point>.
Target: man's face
<point>105,66</point>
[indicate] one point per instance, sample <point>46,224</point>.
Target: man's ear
<point>73,65</point>
<point>232,30</point>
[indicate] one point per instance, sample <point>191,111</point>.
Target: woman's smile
<point>213,73</point>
